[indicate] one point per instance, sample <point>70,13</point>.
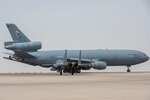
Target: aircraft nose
<point>146,58</point>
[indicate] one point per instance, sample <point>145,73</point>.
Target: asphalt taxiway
<point>84,86</point>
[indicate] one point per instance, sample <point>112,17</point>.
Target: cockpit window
<point>132,55</point>
<point>144,54</point>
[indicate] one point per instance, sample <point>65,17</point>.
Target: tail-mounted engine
<point>25,46</point>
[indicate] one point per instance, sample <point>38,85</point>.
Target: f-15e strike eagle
<point>67,61</point>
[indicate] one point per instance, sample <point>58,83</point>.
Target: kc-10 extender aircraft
<point>68,61</point>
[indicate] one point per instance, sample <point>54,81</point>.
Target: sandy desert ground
<point>84,86</point>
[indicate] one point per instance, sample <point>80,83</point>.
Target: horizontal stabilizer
<point>23,54</point>
<point>10,54</point>
<point>9,58</point>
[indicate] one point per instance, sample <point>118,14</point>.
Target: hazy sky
<point>78,24</point>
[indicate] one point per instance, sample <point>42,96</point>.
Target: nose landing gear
<point>128,69</point>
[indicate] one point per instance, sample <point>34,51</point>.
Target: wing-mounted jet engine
<point>99,65</point>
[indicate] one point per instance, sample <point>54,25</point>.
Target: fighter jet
<point>67,61</point>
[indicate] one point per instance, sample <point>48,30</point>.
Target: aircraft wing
<point>83,61</point>
<point>46,65</point>
<point>23,54</point>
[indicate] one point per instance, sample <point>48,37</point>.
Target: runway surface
<point>84,86</point>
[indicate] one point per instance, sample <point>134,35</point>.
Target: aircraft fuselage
<point>111,57</point>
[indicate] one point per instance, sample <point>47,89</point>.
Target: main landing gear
<point>70,70</point>
<point>128,69</point>
<point>61,72</point>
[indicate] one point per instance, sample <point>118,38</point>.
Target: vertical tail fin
<point>16,34</point>
<point>65,57</point>
<point>79,61</point>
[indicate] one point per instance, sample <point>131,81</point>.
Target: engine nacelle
<point>100,65</point>
<point>25,46</point>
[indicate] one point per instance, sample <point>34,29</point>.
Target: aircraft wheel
<point>79,71</point>
<point>60,72</point>
<point>10,58</point>
<point>72,71</point>
<point>128,70</point>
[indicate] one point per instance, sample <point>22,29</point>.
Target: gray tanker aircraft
<point>67,61</point>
